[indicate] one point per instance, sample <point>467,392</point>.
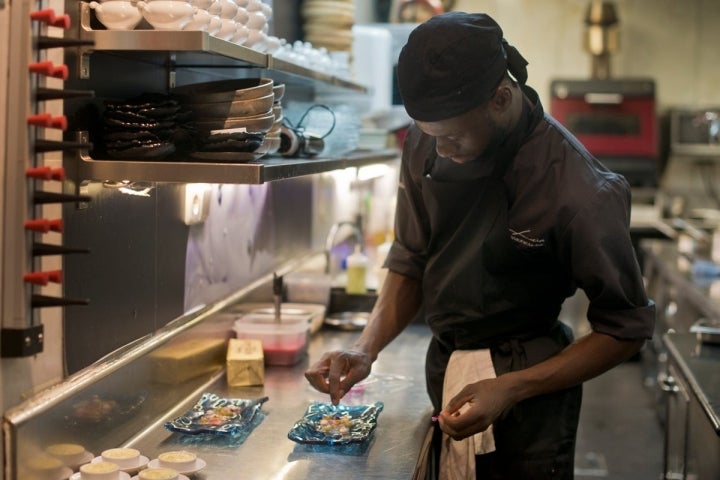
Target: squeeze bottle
<point>356,272</point>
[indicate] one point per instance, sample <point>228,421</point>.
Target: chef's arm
<point>397,304</point>
<point>486,400</point>
<point>584,359</point>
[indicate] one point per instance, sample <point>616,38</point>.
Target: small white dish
<point>121,476</point>
<point>142,461</point>
<point>199,465</point>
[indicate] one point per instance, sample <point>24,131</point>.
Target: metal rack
<point>196,49</point>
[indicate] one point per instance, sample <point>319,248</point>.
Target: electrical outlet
<point>196,206</point>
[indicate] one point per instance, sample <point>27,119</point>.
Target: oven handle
<point>604,98</point>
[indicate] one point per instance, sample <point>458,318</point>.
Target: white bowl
<point>241,34</point>
<point>224,8</point>
<point>203,4</point>
<point>273,44</point>
<point>267,10</point>
<point>117,14</point>
<point>200,21</point>
<point>214,25</point>
<point>254,5</point>
<point>256,20</point>
<point>228,28</point>
<point>241,16</point>
<point>167,14</point>
<point>256,39</point>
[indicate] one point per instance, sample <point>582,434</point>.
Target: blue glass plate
<point>214,414</point>
<point>328,424</point>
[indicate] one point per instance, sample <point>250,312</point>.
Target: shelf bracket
<point>21,342</point>
<point>170,68</point>
<point>83,52</point>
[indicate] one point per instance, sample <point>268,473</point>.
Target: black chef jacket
<point>498,248</point>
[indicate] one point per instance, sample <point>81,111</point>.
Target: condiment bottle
<point>356,272</point>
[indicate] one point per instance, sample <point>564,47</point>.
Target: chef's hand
<point>336,372</point>
<point>473,410</point>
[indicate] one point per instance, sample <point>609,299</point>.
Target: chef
<point>501,215</point>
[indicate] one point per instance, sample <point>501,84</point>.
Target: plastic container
<point>356,272</point>
<point>284,342</point>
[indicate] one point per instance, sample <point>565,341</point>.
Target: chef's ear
<point>502,99</point>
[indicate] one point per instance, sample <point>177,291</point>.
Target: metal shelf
<point>197,49</point>
<point>194,49</point>
<point>261,171</point>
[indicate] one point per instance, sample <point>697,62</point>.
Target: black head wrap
<point>452,64</point>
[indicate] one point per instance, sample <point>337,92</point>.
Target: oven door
<point>612,118</point>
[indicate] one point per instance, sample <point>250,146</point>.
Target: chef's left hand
<point>474,409</point>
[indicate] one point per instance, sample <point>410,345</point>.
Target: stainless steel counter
<point>397,380</point>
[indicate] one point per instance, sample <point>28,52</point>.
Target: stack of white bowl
<point>328,24</point>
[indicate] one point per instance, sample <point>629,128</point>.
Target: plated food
<point>214,414</point>
<point>328,424</point>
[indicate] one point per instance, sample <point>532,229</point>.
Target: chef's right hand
<point>336,372</point>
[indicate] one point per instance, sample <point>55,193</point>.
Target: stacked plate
<point>231,118</point>
<point>328,23</point>
<point>141,127</point>
<point>272,139</point>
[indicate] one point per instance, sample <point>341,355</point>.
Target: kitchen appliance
<point>616,121</point>
<point>695,132</point>
<point>614,118</point>
<point>693,165</point>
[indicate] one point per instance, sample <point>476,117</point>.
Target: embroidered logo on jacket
<point>524,240</point>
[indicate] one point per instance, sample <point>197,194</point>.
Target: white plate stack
<point>328,24</point>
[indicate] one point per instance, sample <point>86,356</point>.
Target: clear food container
<point>284,342</point>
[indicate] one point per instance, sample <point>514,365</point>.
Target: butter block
<point>245,362</point>
<point>183,360</point>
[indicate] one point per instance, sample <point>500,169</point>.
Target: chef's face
<point>473,134</point>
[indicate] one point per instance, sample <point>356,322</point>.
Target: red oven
<point>616,121</point>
